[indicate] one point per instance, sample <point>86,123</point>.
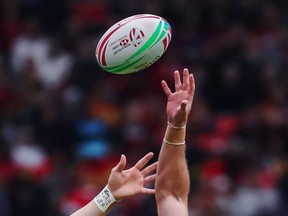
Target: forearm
<point>121,184</point>
<point>90,209</point>
<point>99,206</point>
<point>172,173</point>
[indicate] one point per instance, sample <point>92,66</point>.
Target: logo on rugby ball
<point>124,42</point>
<point>136,36</point>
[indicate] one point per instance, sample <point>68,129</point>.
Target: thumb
<point>122,163</point>
<point>183,105</point>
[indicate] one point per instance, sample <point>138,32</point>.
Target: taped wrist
<point>104,199</point>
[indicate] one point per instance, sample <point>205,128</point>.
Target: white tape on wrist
<point>104,199</point>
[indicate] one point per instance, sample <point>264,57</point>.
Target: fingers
<point>186,80</point>
<point>191,85</point>
<point>178,84</point>
<point>165,88</point>
<point>149,169</point>
<point>148,191</point>
<point>143,161</point>
<point>188,83</point>
<point>149,179</point>
<point>121,165</point>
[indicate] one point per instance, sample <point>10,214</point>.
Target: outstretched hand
<point>179,102</point>
<point>125,183</point>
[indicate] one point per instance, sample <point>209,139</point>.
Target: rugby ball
<point>133,44</point>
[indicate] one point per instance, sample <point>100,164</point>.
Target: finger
<point>149,169</point>
<point>148,191</point>
<point>178,84</point>
<point>122,163</point>
<point>149,179</point>
<point>143,161</point>
<point>191,85</point>
<point>165,88</point>
<point>186,79</point>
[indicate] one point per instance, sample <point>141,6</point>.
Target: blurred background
<point>64,121</point>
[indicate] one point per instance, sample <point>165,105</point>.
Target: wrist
<point>105,200</point>
<point>175,135</point>
<point>176,126</point>
<point>177,123</point>
<point>174,143</point>
<point>115,194</point>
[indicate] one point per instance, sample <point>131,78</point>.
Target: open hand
<point>179,102</point>
<point>125,183</point>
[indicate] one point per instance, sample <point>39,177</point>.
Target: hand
<point>125,183</point>
<point>179,103</point>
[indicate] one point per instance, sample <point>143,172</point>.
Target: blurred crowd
<point>64,121</point>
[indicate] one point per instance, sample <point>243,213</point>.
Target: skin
<point>125,183</point>
<point>172,193</point>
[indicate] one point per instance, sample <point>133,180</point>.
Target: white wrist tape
<point>104,199</point>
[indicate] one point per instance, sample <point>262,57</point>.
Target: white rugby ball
<point>133,44</point>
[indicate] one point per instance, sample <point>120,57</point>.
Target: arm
<point>172,183</point>
<point>121,184</point>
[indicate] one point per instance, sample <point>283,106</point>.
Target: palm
<point>132,181</point>
<point>173,104</point>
